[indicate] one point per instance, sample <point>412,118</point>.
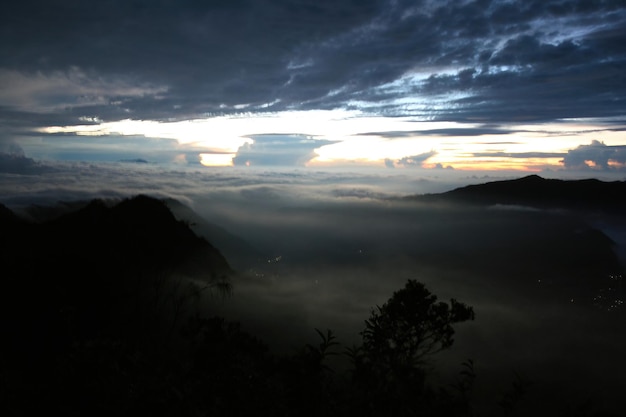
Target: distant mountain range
<point>535,191</point>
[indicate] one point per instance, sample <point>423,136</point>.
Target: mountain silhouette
<point>102,271</point>
<point>8,219</point>
<point>137,233</point>
<point>559,233</point>
<point>241,254</point>
<point>535,191</point>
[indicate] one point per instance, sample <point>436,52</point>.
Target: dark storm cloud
<point>203,53</point>
<point>469,131</point>
<point>596,155</point>
<point>532,80</point>
<point>489,60</point>
<point>278,150</point>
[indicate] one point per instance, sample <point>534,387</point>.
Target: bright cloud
<point>340,136</point>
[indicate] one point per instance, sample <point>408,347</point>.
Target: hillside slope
<point>535,191</point>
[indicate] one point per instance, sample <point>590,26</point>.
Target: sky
<point>529,86</point>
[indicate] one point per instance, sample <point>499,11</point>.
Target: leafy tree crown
<point>411,325</point>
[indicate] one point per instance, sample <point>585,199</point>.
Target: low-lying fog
<point>530,275</point>
<point>319,250</point>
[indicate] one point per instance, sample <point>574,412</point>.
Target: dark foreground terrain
<point>104,311</point>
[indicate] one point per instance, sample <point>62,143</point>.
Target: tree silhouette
<point>412,325</point>
<point>398,338</point>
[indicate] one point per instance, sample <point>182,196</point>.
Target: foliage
<point>210,366</point>
<point>389,375</point>
<point>411,326</point>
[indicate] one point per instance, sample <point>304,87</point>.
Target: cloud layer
<point>488,60</point>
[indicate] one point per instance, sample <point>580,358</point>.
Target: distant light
<point>217,159</point>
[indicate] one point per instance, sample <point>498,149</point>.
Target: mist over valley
<point>545,280</point>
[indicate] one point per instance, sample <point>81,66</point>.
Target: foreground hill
<point>240,254</point>
<point>538,192</point>
<point>137,233</point>
<point>99,271</point>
